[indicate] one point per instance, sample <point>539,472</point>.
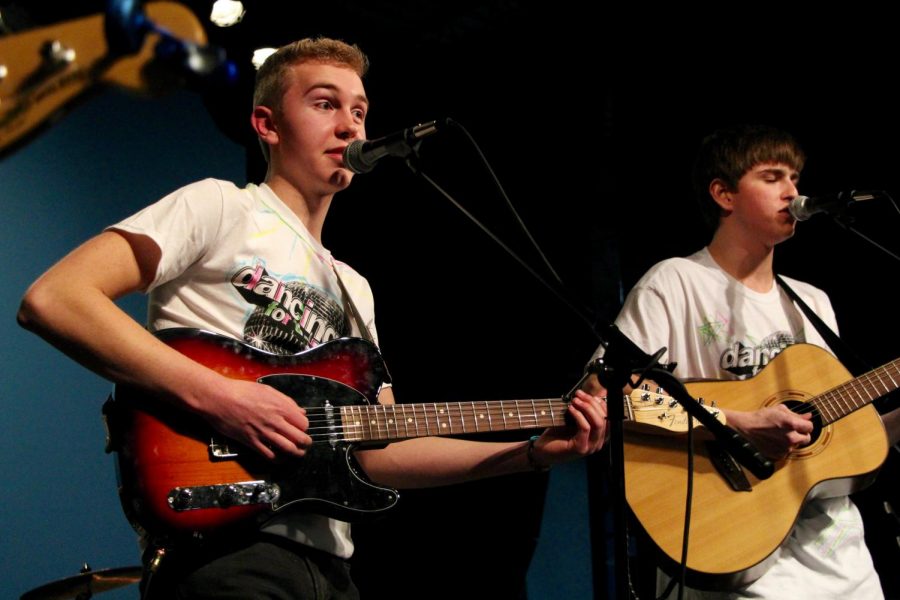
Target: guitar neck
<point>378,422</point>
<point>846,398</point>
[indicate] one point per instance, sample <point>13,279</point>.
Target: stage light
<point>260,55</point>
<point>226,13</point>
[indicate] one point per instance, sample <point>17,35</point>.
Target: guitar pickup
<point>727,467</point>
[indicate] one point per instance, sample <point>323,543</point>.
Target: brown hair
<point>729,153</point>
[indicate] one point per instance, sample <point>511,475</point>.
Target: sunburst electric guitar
<point>178,476</point>
<point>738,522</point>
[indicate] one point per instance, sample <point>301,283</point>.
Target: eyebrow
<point>781,172</point>
<point>330,86</point>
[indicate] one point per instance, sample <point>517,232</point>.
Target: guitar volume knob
<point>229,495</point>
<point>181,499</point>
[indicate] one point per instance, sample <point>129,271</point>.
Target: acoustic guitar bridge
<point>727,467</point>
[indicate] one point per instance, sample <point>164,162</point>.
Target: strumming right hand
<point>258,416</point>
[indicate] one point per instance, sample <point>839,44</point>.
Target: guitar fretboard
<point>402,421</point>
<point>839,402</point>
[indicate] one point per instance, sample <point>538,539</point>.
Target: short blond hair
<point>272,75</point>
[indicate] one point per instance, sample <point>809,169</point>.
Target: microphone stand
<point>623,359</point>
<point>844,222</point>
<point>614,370</point>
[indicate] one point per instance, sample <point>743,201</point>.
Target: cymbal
<point>85,584</point>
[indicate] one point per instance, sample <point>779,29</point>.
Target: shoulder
<point>681,272</point>
<point>351,277</point>
<point>810,293</point>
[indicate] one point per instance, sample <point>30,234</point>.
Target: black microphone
<point>803,207</point>
<point>361,155</point>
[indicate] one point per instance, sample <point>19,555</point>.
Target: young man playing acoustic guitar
<point>248,263</point>
<point>721,315</point>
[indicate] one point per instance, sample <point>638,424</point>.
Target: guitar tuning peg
<point>659,390</point>
<point>645,386</point>
<point>56,54</point>
<point>700,401</point>
<point>713,404</point>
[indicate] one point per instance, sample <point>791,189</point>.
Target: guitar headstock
<point>656,412</point>
<point>43,69</point>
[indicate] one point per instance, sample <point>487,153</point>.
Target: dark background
<point>590,117</point>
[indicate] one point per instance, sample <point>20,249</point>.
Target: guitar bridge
<point>727,467</point>
<point>223,495</point>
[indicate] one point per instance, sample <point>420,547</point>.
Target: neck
<point>310,208</point>
<point>747,260</point>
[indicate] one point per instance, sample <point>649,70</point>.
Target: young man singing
<point>722,315</point>
<point>249,263</point>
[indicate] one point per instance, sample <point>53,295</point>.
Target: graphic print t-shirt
<point>716,328</point>
<point>240,263</point>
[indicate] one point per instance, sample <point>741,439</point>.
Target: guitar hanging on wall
<point>44,70</point>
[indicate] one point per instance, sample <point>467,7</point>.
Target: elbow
<point>33,307</point>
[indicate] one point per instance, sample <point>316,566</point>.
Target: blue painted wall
<point>107,158</point>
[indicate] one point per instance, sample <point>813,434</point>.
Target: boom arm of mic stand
<point>739,447</point>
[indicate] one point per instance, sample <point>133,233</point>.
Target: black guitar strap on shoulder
<point>847,355</point>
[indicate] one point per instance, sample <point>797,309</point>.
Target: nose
<point>792,190</point>
<point>348,128</point>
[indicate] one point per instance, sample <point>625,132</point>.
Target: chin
<point>341,179</point>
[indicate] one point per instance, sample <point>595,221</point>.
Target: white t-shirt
<point>715,327</point>
<point>240,263</point>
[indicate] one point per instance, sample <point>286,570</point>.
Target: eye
<point>324,104</point>
<point>359,114</point>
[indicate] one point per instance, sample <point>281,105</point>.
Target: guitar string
<point>827,406</point>
<point>431,419</point>
<point>839,400</point>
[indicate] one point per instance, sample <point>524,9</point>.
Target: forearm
<point>72,306</point>
<point>83,321</point>
<point>434,461</point>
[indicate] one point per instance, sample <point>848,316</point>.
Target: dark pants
<point>266,567</point>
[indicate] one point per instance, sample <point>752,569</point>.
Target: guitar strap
<point>350,307</point>
<point>842,350</point>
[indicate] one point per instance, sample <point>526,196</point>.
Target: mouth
<point>788,215</point>
<point>336,153</point>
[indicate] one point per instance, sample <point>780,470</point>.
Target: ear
<point>721,194</point>
<point>263,122</point>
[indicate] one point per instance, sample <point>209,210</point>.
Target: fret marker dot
<point>390,421</point>
<point>510,414</point>
<point>372,423</point>
<point>409,420</point>
<point>443,424</point>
